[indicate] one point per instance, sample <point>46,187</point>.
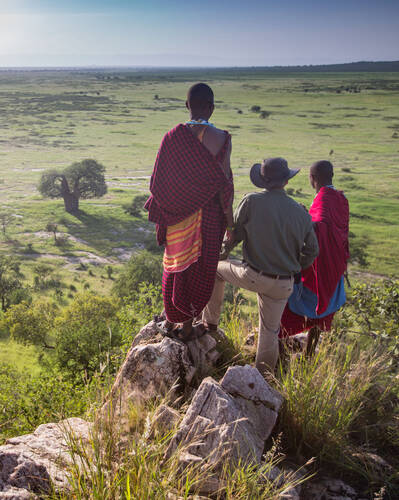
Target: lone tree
<point>84,179</point>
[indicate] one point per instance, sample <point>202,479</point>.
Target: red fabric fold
<point>186,177</point>
<point>330,215</point>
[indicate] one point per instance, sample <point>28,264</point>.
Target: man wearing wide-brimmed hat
<point>278,242</point>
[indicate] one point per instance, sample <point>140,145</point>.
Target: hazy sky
<point>196,33</point>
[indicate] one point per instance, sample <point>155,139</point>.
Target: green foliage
<point>87,336</point>
<point>10,280</point>
<point>45,278</point>
<point>27,401</point>
<point>31,323</point>
<point>133,315</point>
<point>375,308</point>
<point>87,178</point>
<point>136,208</point>
<point>142,267</point>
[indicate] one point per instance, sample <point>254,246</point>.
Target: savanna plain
<point>51,119</point>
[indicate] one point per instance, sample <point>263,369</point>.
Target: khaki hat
<point>272,172</point>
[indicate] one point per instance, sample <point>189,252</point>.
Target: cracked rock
<point>228,421</point>
<point>31,464</point>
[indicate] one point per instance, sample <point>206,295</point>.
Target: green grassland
<point>48,119</point>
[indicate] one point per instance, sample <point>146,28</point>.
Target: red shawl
<point>186,177</point>
<point>330,215</point>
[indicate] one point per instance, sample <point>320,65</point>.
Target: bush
<point>132,316</point>
<point>26,401</point>
<point>255,109</point>
<point>136,208</point>
<point>87,336</point>
<point>31,323</point>
<point>375,308</point>
<point>142,267</point>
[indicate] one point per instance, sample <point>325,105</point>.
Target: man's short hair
<point>323,170</point>
<point>199,95</point>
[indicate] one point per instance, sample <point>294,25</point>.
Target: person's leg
<point>271,307</point>
<point>211,312</point>
<point>228,270</point>
<point>312,340</point>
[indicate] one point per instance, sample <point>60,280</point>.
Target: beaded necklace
<point>200,121</point>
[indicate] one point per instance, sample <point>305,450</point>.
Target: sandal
<point>164,330</point>
<point>196,332</point>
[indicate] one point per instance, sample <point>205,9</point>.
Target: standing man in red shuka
<point>191,204</point>
<point>321,292</point>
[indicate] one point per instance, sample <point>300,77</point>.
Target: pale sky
<point>203,33</point>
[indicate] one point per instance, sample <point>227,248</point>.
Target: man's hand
<point>229,237</point>
<point>297,278</point>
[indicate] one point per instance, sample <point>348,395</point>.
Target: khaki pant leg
<point>234,272</point>
<point>271,307</point>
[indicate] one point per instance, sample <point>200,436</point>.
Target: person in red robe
<point>191,204</point>
<point>321,291</point>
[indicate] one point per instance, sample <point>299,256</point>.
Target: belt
<point>274,276</point>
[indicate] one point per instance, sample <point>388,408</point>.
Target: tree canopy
<point>81,180</point>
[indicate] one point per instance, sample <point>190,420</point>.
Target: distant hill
<point>363,66</point>
<point>369,66</point>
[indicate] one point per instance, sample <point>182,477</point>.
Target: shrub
<point>132,316</point>
<point>136,208</point>
<point>26,401</point>
<point>87,335</point>
<point>10,280</point>
<point>375,307</point>
<point>142,267</point>
<point>31,323</point>
<point>255,109</point>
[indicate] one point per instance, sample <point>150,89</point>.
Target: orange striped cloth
<point>183,243</point>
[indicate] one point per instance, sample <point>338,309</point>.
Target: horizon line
<point>179,66</point>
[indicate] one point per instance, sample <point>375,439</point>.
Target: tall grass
<point>327,397</point>
<point>115,466</point>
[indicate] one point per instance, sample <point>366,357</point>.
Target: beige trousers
<point>272,293</point>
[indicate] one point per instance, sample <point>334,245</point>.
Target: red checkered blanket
<point>187,177</point>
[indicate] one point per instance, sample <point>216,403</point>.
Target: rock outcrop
<point>156,366</point>
<point>32,464</point>
<point>227,421</point>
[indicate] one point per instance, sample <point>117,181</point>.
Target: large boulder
<point>156,366</point>
<point>32,464</point>
<point>227,421</point>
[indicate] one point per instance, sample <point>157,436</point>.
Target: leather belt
<point>274,276</point>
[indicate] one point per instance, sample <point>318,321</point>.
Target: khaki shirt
<point>276,231</point>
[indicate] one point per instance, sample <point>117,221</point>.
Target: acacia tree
<point>81,180</point>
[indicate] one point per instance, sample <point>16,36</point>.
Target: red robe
<point>330,215</point>
<point>187,177</point>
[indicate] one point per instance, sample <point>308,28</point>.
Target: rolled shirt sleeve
<point>241,215</point>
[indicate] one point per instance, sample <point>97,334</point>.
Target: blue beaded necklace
<point>200,121</point>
